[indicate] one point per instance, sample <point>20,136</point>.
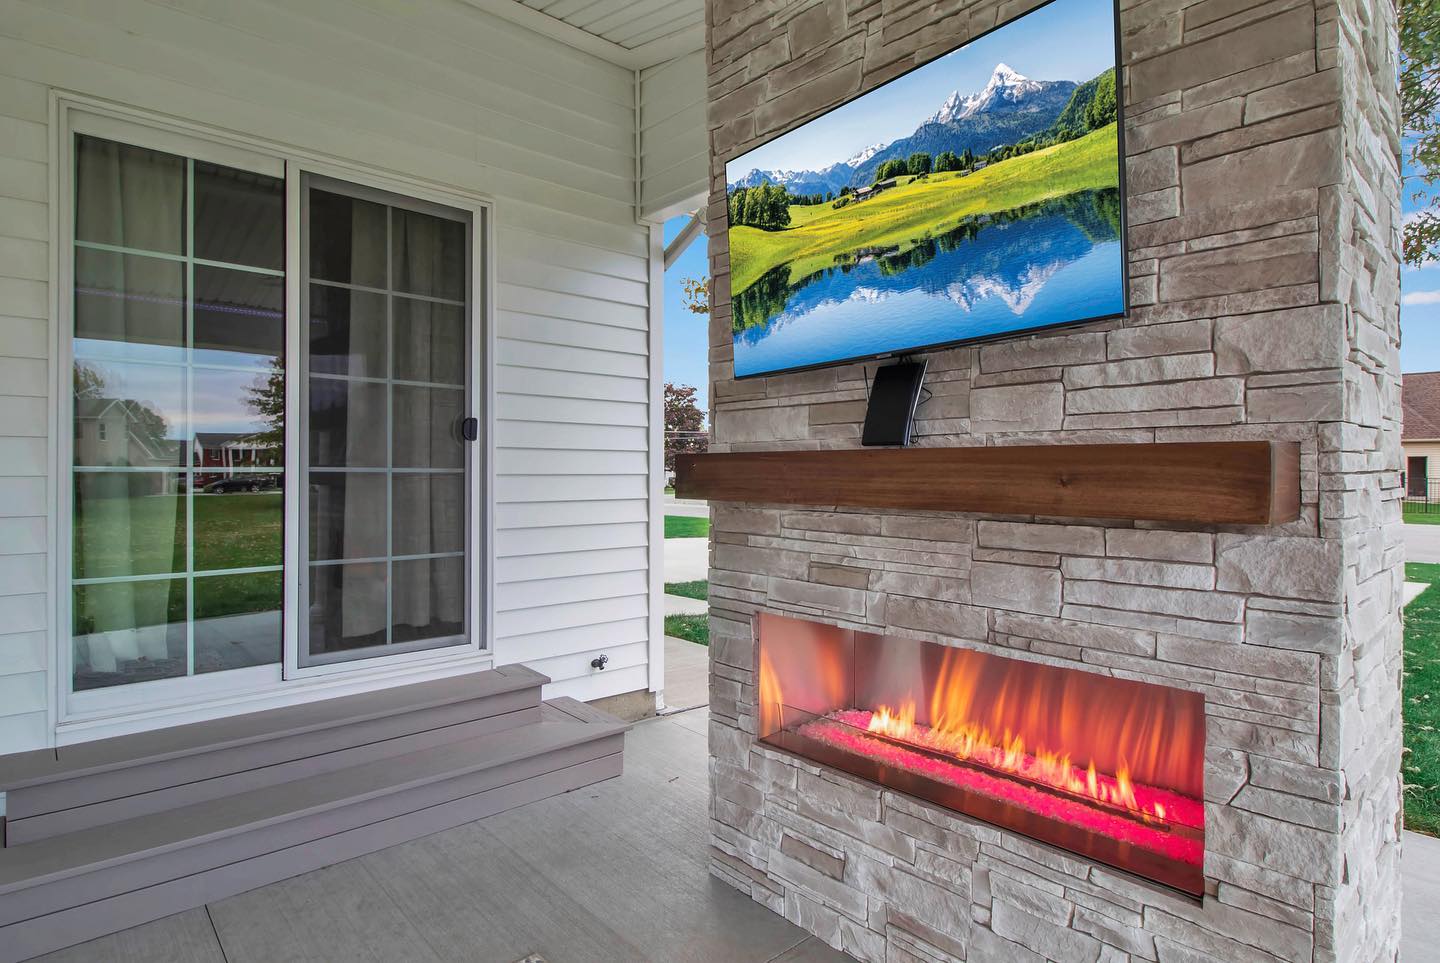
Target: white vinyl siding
<point>674,141</point>
<point>432,90</point>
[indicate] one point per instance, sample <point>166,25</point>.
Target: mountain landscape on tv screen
<point>1010,108</point>
<point>1000,212</point>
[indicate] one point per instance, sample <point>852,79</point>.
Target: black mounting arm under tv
<point>890,412</point>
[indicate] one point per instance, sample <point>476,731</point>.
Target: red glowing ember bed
<point>1112,769</point>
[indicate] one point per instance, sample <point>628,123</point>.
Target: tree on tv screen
<point>766,206</point>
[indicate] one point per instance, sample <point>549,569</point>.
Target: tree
<point>685,432</point>
<point>946,161</point>
<point>919,163</point>
<point>696,292</point>
<point>1102,109</point>
<point>890,168</point>
<point>267,399</point>
<point>766,206</point>
<point>1420,124</point>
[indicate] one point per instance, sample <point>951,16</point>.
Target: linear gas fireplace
<point>1107,768</point>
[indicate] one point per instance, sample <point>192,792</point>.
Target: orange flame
<point>1007,753</point>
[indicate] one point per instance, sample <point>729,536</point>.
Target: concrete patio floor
<point>687,674</point>
<point>616,871</point>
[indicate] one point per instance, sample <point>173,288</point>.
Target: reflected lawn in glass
<point>128,632</point>
<point>128,523</point>
<point>239,530</point>
<point>237,620</point>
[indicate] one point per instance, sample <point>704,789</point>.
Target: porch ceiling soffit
<point>634,34</point>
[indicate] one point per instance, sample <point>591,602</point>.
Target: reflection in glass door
<point>386,293</point>
<point>178,416</point>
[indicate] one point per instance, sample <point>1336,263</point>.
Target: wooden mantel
<point>1215,482</point>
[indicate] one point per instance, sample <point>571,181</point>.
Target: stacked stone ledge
<point>1263,225</point>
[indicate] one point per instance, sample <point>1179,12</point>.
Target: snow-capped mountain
<point>1007,86</point>
<point>1008,109</point>
<point>863,156</point>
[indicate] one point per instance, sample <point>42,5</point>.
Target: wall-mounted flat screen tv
<point>978,195</point>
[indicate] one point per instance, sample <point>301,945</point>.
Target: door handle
<point>470,429</point>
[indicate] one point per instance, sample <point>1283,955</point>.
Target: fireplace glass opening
<point>1108,768</point>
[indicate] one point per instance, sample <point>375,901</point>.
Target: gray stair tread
<point>39,766</point>
<point>55,858</point>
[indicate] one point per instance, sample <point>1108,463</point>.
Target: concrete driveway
<point>685,506</point>
<point>687,559</point>
<point>1422,543</point>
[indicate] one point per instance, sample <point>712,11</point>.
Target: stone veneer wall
<point>1263,207</point>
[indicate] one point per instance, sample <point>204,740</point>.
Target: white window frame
<point>115,710</point>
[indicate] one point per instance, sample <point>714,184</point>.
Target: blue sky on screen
<point>1068,40</point>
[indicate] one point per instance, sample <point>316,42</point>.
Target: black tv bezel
<point>999,335</point>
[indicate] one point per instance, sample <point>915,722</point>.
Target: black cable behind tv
<point>891,409</point>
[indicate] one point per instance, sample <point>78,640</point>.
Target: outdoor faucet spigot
<point>599,662</point>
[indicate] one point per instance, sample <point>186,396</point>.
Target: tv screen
<point>976,196</point>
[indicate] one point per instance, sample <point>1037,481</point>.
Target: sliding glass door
<point>387,387</point>
<point>274,450</point>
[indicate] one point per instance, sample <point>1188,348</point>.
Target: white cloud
<point>1421,297</point>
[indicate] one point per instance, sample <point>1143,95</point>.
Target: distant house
<point>870,190</point>
<point>120,432</point>
<point>228,451</point>
<point>1420,431</point>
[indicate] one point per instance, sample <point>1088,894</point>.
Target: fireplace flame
<point>1007,752</point>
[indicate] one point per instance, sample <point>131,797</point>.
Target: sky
<point>1419,301</point>
<point>686,335</point>
<point>1028,45</point>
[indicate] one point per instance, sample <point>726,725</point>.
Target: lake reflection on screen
<point>1043,264</point>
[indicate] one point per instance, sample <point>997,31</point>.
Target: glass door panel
<point>386,295</point>
<point>177,504</point>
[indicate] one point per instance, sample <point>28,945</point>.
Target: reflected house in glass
<point>227,452</point>
<point>119,431</point>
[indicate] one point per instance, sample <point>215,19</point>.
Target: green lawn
<point>1418,516</point>
<point>916,208</point>
<point>694,628</point>
<point>143,534</point>
<point>684,526</point>
<point>1421,759</point>
<point>690,590</point>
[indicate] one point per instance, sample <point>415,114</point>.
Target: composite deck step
<point>70,888</point>
<point>71,788</point>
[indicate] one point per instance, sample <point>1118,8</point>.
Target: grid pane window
<point>178,402</point>
<point>387,390</point>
